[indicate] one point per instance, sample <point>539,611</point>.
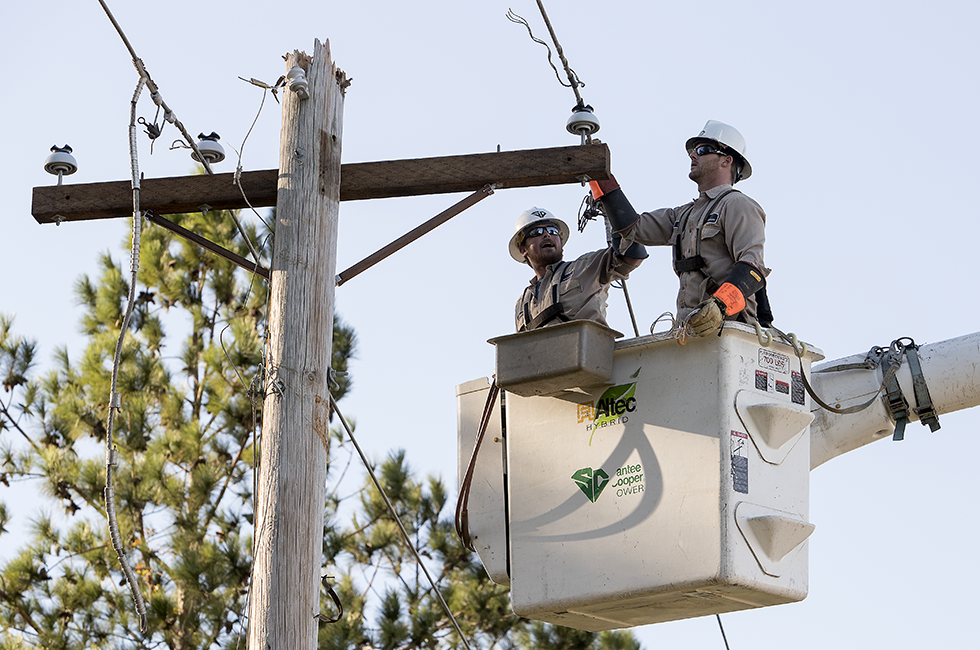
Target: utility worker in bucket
<point>562,291</point>
<point>718,238</point>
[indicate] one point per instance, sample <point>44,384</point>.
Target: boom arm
<point>950,372</point>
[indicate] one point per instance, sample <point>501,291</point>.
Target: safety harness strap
<point>894,400</point>
<point>546,316</point>
<point>924,408</point>
<point>553,310</point>
<point>694,262</point>
<point>687,264</point>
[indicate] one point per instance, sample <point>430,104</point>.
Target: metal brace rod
<point>411,236</point>
<point>248,265</point>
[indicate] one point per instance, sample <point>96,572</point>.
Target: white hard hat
<point>526,219</point>
<point>727,136</point>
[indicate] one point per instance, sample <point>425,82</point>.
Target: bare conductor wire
<point>573,79</point>
<point>169,116</point>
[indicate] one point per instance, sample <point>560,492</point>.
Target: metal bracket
<point>336,601</point>
<point>248,265</point>
<point>411,236</point>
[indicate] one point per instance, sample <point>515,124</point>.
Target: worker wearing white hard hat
<point>561,291</point>
<point>718,238</point>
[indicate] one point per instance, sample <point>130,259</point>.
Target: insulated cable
<point>463,501</point>
<point>115,400</point>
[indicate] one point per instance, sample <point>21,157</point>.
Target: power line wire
<point>398,522</point>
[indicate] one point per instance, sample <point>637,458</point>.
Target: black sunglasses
<point>537,231</point>
<point>705,149</point>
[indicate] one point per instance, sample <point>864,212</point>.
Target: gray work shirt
<point>723,232</point>
<point>581,286</point>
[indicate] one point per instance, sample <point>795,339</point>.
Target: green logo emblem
<point>614,403</point>
<point>590,481</point>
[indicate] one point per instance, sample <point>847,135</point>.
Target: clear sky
<point>860,120</point>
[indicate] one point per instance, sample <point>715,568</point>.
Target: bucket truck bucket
<point>678,486</point>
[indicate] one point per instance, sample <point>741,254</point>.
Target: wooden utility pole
<point>285,598</point>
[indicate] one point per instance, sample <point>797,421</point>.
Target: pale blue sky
<point>860,121</point>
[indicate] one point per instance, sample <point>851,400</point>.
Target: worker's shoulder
<point>740,200</point>
<point>587,258</point>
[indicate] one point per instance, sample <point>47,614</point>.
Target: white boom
<point>950,372</point>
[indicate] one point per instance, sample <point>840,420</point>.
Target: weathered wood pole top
<point>373,180</point>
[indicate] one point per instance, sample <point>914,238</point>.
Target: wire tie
<point>278,387</point>
<point>115,401</point>
<point>256,82</point>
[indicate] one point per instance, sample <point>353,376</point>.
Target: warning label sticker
<point>797,389</point>
<point>771,360</point>
<point>740,463</point>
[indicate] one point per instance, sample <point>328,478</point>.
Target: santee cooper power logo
<point>590,481</point>
<point>629,480</point>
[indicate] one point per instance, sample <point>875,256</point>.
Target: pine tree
<point>186,437</point>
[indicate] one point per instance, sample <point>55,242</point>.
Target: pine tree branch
<point>370,584</point>
<point>398,573</point>
<point>9,418</point>
<point>221,493</point>
<point>17,607</point>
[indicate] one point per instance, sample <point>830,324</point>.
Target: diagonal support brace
<point>411,236</point>
<point>248,265</point>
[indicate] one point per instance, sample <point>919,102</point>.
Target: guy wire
<point>398,522</point>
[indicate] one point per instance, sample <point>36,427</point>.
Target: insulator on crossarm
<point>60,162</point>
<point>582,122</point>
<point>209,147</point>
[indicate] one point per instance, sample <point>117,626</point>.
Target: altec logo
<point>590,481</point>
<point>614,403</point>
<point>612,408</point>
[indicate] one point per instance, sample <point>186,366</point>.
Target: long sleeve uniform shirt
<point>580,286</point>
<point>723,232</point>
